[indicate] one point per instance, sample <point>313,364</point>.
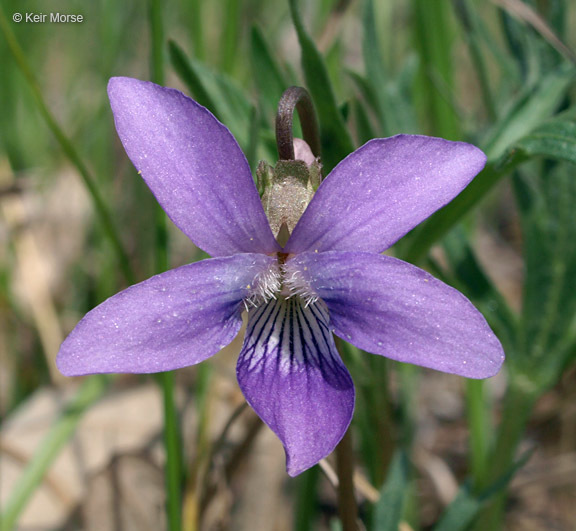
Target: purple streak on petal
<point>172,320</point>
<point>383,190</point>
<point>388,307</point>
<point>291,374</point>
<point>194,167</point>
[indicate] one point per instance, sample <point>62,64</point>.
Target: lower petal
<point>171,320</point>
<point>389,307</point>
<point>291,374</point>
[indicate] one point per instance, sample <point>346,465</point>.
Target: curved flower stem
<point>296,98</point>
<point>347,507</point>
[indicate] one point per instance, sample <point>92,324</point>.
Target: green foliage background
<point>498,74</point>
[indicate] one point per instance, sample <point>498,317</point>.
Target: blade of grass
<point>389,103</point>
<point>481,429</point>
<point>69,150</point>
<point>529,110</point>
<point>172,439</point>
<point>461,512</point>
<point>197,28</point>
<point>518,404</point>
<point>189,75</point>
<point>555,139</point>
<point>229,43</point>
<point>253,138</point>
<point>336,139</point>
<point>393,495</point>
<point>173,448</point>
<point>215,91</point>
<point>157,75</point>
<point>363,127</point>
<point>157,40</point>
<point>269,78</point>
<point>92,389</point>
<point>306,499</point>
<point>468,19</point>
<point>434,34</point>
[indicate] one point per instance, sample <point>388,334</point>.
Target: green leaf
<point>473,281</point>
<point>529,110</point>
<point>393,496</point>
<point>436,226</point>
<point>462,511</point>
<point>373,61</point>
<point>68,148</point>
<point>336,140</point>
<point>469,19</point>
<point>546,194</point>
<point>555,139</point>
<point>268,75</point>
<point>364,128</point>
<point>229,35</point>
<point>191,78</point>
<point>306,499</point>
<point>523,118</point>
<point>216,92</point>
<point>376,74</point>
<point>388,96</point>
<point>434,36</point>
<point>253,139</point>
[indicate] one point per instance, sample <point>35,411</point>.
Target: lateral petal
<point>292,376</point>
<point>389,307</point>
<point>193,165</point>
<point>178,318</point>
<point>382,191</point>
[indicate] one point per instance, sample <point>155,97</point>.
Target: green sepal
<point>286,191</point>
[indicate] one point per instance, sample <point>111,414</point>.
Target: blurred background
<point>77,225</point>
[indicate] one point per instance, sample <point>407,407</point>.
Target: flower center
<point>281,280</point>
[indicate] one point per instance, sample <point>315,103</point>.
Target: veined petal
<point>194,167</point>
<point>291,374</point>
<point>388,307</point>
<point>171,320</point>
<point>383,190</point>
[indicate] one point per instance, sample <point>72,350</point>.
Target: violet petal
<point>383,190</point>
<point>291,374</point>
<point>175,319</point>
<point>389,307</point>
<point>194,167</point>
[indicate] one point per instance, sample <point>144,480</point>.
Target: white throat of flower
<point>280,281</point>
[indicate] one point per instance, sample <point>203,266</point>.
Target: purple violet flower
<point>329,278</point>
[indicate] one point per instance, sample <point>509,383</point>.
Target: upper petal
<point>383,190</point>
<point>386,306</point>
<point>291,374</point>
<point>193,165</point>
<point>175,319</point>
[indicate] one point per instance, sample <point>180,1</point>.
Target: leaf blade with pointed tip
<point>462,511</point>
<point>393,496</point>
<point>555,139</point>
<point>336,140</point>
